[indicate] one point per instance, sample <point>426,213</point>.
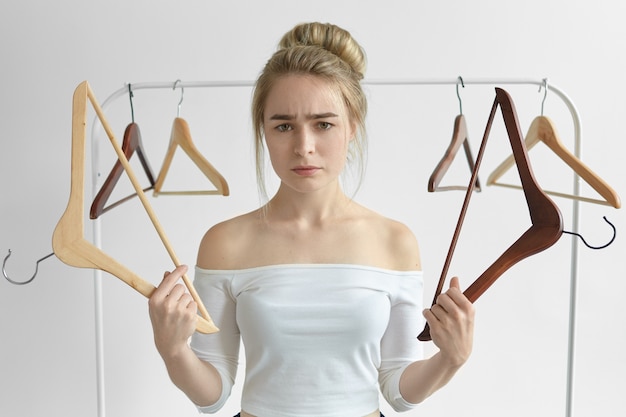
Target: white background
<point>518,368</point>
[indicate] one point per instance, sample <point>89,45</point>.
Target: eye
<point>284,127</point>
<point>324,125</point>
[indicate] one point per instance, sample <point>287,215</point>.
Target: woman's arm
<point>173,314</point>
<point>451,322</point>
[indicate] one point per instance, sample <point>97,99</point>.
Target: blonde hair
<point>326,51</point>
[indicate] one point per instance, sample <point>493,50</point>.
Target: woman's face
<point>307,132</point>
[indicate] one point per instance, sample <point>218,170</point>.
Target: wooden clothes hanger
<point>547,224</point>
<point>68,240</point>
<point>181,136</point>
<point>459,137</point>
<point>542,129</point>
<point>131,144</point>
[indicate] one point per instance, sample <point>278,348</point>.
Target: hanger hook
<point>596,247</point>
<point>4,272</point>
<point>130,97</point>
<point>182,93</point>
<point>460,80</point>
<point>545,92</point>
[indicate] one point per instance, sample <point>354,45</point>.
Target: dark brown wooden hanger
<point>459,137</point>
<point>547,223</point>
<point>131,144</point>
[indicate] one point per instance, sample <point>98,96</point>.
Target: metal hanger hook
<point>182,93</point>
<point>460,80</point>
<point>545,93</point>
<point>596,247</point>
<point>4,272</point>
<point>130,97</point>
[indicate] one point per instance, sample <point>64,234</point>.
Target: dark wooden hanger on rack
<point>131,144</point>
<point>68,240</point>
<point>547,224</point>
<point>542,129</point>
<point>459,137</point>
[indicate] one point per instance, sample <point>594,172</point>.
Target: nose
<point>304,143</point>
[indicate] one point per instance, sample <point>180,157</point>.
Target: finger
<point>454,283</point>
<point>446,303</point>
<point>456,295</point>
<point>438,312</point>
<point>429,316</point>
<point>455,288</point>
<point>169,281</point>
<point>434,323</point>
<point>176,274</point>
<point>455,305</point>
<point>459,298</point>
<point>189,303</point>
<point>171,278</point>
<point>177,300</point>
<point>177,293</point>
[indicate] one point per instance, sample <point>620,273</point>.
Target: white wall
<point>47,354</point>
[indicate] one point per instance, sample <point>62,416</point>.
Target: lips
<point>306,170</point>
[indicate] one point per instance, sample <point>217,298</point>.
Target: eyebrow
<point>310,116</point>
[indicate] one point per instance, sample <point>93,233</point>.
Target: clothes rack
<point>96,132</point>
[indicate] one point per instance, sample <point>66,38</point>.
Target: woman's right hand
<point>173,313</point>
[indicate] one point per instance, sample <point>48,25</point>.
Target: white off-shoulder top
<point>320,340</point>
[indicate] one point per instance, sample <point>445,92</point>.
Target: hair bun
<point>330,37</point>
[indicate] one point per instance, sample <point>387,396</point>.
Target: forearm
<point>451,322</point>
<point>422,378</point>
<point>198,379</point>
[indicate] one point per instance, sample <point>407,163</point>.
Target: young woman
<point>325,293</point>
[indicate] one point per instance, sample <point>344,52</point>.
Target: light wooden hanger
<point>68,241</point>
<point>547,224</point>
<point>131,144</point>
<point>181,136</point>
<point>542,129</point>
<point>459,137</point>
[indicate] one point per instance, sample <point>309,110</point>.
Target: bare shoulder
<point>396,242</point>
<point>403,245</point>
<point>222,243</point>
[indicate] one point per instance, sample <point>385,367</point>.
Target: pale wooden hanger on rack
<point>68,240</point>
<point>542,129</point>
<point>181,137</point>
<point>459,137</point>
<point>547,224</point>
<point>131,144</point>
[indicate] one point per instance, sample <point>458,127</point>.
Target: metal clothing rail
<point>573,297</point>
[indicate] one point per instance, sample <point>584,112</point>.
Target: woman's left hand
<point>451,322</point>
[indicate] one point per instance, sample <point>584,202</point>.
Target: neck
<point>312,207</point>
